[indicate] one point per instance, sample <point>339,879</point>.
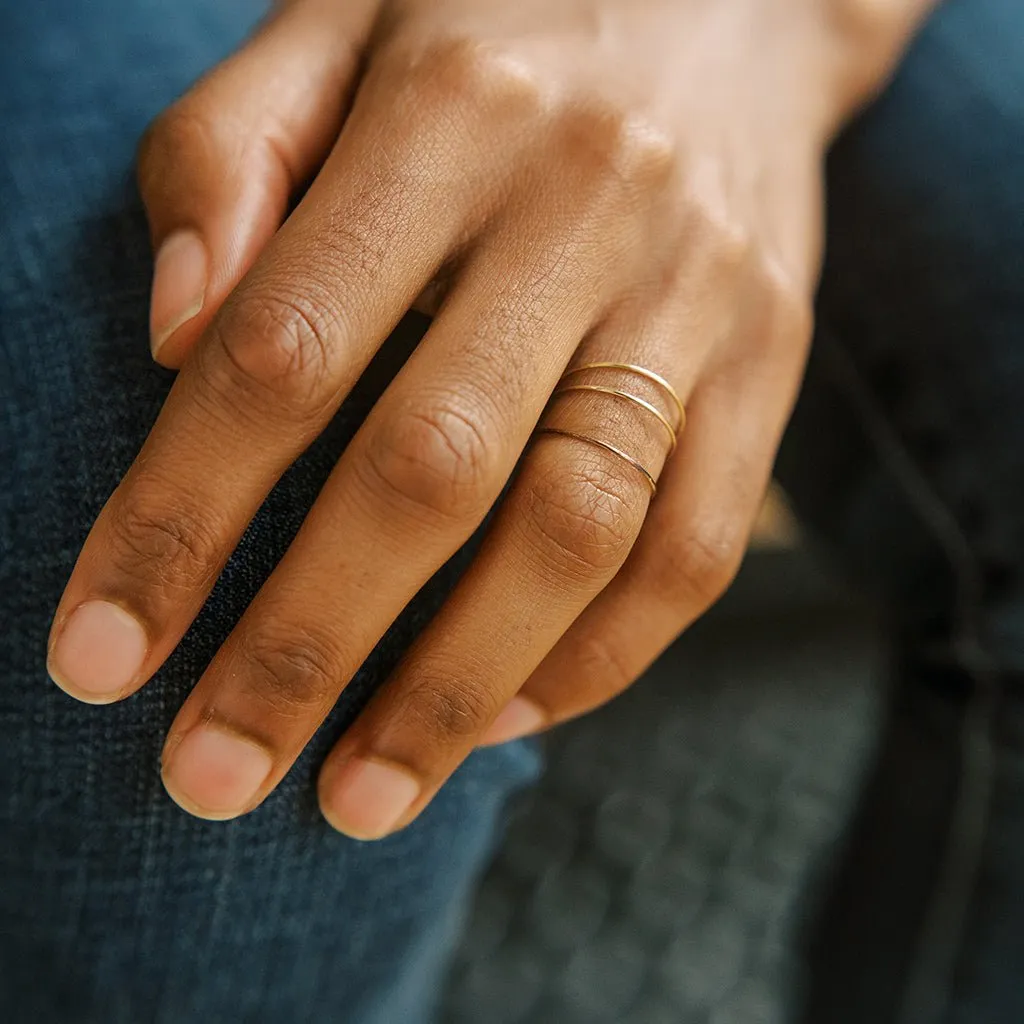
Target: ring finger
<point>694,539</point>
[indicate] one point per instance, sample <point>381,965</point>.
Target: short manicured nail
<point>367,799</point>
<point>180,276</point>
<point>519,718</point>
<point>99,652</point>
<point>213,773</point>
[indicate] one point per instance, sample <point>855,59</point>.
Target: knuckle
<point>437,459</point>
<point>162,540</point>
<point>601,660</point>
<point>294,671</point>
<point>444,711</point>
<point>696,565</point>
<point>462,69</point>
<point>278,346</point>
<point>180,132</point>
<point>646,152</point>
<point>729,240</point>
<point>621,145</point>
<point>582,518</point>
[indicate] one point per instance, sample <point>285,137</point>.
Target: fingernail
<point>369,798</point>
<point>98,653</point>
<point>213,773</point>
<point>519,718</point>
<point>180,276</point>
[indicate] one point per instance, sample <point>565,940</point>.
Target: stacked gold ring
<point>566,384</point>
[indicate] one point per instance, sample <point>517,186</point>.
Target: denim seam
<point>927,991</point>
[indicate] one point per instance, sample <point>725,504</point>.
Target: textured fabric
<point>661,871</point>
<point>114,905</point>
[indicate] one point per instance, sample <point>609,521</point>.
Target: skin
<point>560,182</point>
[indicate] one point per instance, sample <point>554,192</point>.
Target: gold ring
<point>641,371</point>
<point>566,385</point>
<point>651,482</point>
<point>635,399</point>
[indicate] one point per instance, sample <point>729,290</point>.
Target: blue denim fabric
<point>906,453</point>
<point>114,905</point>
<point>908,442</point>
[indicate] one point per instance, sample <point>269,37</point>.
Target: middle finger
<point>564,530</point>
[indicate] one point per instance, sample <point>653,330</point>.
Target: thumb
<point>218,168</point>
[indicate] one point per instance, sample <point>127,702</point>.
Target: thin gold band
<point>635,399</point>
<point>642,371</point>
<point>651,482</point>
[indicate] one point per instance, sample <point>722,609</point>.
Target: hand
<point>565,183</point>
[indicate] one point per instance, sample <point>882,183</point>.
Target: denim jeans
<point>906,455</point>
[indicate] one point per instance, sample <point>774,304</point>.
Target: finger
<point>416,481</point>
<point>268,374</point>
<point>218,168</point>
<point>562,533</point>
<point>694,538</point>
